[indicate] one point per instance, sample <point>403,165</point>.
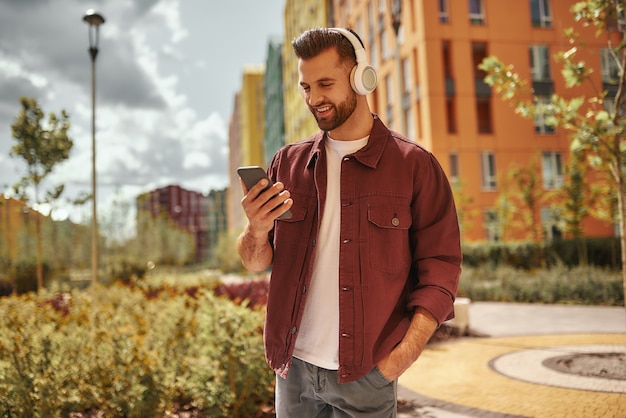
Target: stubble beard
<point>343,111</point>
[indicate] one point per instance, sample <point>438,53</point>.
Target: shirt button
<point>293,330</point>
<point>344,335</point>
<point>395,222</point>
<point>304,289</point>
<point>345,288</point>
<point>314,243</point>
<point>345,241</point>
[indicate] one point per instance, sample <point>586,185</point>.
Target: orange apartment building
<point>429,88</point>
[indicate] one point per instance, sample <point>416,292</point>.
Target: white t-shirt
<point>318,338</point>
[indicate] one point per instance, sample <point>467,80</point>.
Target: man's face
<point>325,85</point>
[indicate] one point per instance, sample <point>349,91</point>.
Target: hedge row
<point>599,252</point>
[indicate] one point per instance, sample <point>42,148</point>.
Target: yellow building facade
<point>245,137</point>
<point>299,16</point>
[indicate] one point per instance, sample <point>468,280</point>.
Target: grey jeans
<point>310,391</point>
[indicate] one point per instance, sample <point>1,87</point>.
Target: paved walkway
<point>506,372</point>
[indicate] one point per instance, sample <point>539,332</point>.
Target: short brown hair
<point>313,41</point>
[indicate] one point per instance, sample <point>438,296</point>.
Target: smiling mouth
<point>323,109</point>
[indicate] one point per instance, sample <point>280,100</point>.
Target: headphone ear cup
<point>363,79</point>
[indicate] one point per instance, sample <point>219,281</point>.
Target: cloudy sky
<point>167,72</point>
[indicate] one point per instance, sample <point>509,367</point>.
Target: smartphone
<point>251,175</point>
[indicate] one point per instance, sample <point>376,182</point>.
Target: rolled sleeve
<point>437,249</point>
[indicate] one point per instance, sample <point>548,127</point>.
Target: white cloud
<point>196,159</point>
<point>167,71</point>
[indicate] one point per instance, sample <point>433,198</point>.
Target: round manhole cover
<point>604,365</point>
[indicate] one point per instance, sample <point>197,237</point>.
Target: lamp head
<point>93,18</point>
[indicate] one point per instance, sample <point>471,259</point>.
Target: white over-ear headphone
<point>363,77</point>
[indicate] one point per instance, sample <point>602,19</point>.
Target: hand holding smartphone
<point>251,175</point>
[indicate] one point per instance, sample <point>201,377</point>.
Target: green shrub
<point>126,272</point>
<point>559,284</point>
<point>130,353</point>
<point>224,257</point>
<point>600,252</point>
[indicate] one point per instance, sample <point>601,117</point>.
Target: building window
<point>444,15</point>
<point>476,12</point>
<point>539,63</point>
<point>540,13</point>
<point>479,53</point>
<point>488,168</point>
<point>406,96</point>
<point>373,45</point>
<point>483,115</point>
<point>447,59</point>
<point>382,7</point>
<point>550,225</point>
<point>490,225</point>
<point>454,167</point>
<point>552,170</point>
<point>609,67</point>
<point>609,106</point>
<point>406,76</point>
<point>389,104</point>
<point>451,114</point>
<point>384,47</point>
<point>541,116</point>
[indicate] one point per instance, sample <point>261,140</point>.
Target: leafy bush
<point>580,285</point>
<point>117,351</point>
<point>127,272</point>
<point>223,257</point>
<point>600,252</point>
<point>253,293</point>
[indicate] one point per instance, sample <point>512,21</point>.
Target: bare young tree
<point>42,146</point>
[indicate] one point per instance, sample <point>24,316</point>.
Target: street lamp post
<point>94,20</point>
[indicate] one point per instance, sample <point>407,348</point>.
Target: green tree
<point>596,128</point>
<point>463,202</point>
<point>577,199</point>
<point>527,198</point>
<point>42,146</point>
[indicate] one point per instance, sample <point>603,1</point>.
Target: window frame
<point>453,161</point>
<point>491,224</point>
<point>541,127</point>
<point>444,11</point>
<point>609,68</point>
<point>552,169</point>
<point>488,171</point>
<point>544,14</point>
<point>539,55</point>
<point>389,99</point>
<point>476,17</point>
<point>484,115</point>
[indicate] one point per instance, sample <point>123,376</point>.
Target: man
<point>367,266</point>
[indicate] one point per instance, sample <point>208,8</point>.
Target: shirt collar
<point>369,155</point>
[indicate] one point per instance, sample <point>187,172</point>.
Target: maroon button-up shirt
<point>399,246</point>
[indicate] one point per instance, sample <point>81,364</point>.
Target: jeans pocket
<point>377,379</point>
